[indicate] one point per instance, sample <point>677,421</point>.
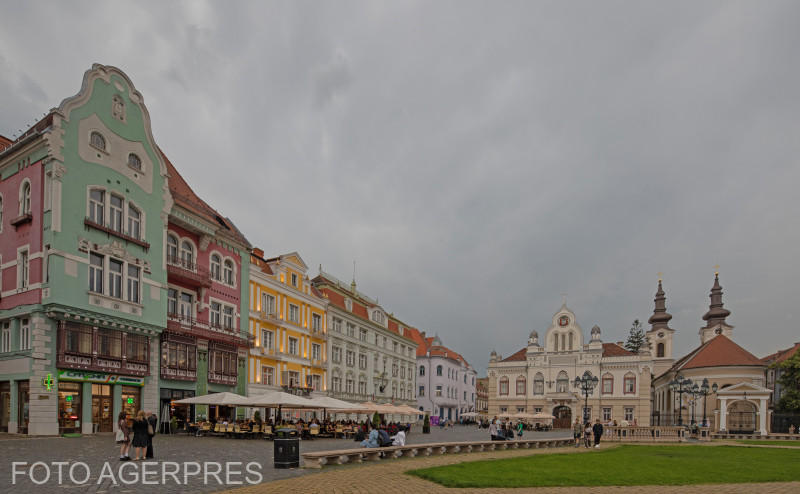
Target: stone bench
<point>319,459</point>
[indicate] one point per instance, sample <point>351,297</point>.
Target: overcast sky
<point>476,159</point>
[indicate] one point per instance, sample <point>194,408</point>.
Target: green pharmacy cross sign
<point>130,401</point>
<point>69,398</point>
<point>47,382</point>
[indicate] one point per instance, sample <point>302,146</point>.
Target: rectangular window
<point>316,382</point>
<point>172,301</point>
<point>215,314</point>
<point>294,378</point>
<point>629,414</point>
<point>336,383</point>
<point>362,335</point>
<point>293,346</point>
<point>268,304</point>
<point>503,386</point>
<point>630,385</point>
<point>316,323</point>
<point>294,313</point>
<point>421,391</point>
<point>227,317</point>
<point>606,414</point>
<point>78,340</point>
<point>95,273</point>
<point>336,354</point>
<point>133,284</point>
<point>294,280</point>
<point>109,343</point>
<point>5,339</point>
<point>97,205</point>
<point>316,351</point>
<point>362,387</point>
<point>608,385</point>
<point>136,350</point>
<point>349,386</point>
<point>337,324</point>
<point>438,390</point>
<point>115,278</point>
<point>362,361</point>
<point>351,330</point>
<point>267,339</point>
<point>24,335</point>
<point>520,386</point>
<point>115,213</point>
<point>185,307</point>
<point>24,269</point>
<point>267,375</point>
<point>351,358</point>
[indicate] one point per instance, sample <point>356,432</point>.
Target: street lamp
<point>586,385</point>
<point>704,392</point>
<point>680,385</point>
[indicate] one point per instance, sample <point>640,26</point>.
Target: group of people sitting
<point>381,436</point>
<point>505,431</point>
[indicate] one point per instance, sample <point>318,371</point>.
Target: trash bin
<point>287,448</point>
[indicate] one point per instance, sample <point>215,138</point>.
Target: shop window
<point>69,407</point>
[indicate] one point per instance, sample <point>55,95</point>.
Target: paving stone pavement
<point>390,477</point>
<point>98,449</point>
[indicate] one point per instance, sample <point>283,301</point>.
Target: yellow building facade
<point>287,321</point>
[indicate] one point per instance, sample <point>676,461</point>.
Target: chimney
<point>258,252</point>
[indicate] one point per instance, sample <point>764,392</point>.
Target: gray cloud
<point>476,159</point>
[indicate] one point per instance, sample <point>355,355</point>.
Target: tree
<point>636,339</point>
<point>789,380</point>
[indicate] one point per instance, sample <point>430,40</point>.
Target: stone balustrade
<point>653,433</point>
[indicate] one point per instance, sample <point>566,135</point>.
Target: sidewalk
<point>389,478</point>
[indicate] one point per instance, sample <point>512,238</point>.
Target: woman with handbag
<point>140,435</point>
<point>123,437</point>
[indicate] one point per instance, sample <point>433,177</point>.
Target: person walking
<point>123,437</point>
<point>587,435</point>
<point>520,428</point>
<point>597,430</point>
<point>140,435</point>
<point>577,431</point>
<point>493,429</point>
<point>152,427</point>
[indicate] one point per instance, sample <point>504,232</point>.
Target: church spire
<point>716,313</point>
<point>660,318</point>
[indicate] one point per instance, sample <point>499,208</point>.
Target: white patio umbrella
<point>225,399</point>
<point>272,399</point>
<point>542,416</point>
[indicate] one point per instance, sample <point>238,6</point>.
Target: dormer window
<point>134,162</point>
<point>97,140</point>
<point>348,304</point>
<point>377,316</point>
<point>294,280</point>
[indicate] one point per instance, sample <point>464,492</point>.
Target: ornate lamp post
<point>586,385</point>
<point>704,392</point>
<point>680,385</point>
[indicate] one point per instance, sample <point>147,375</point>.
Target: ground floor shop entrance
<point>70,400</point>
<point>5,405</point>
<point>563,417</point>
<point>182,413</point>
<point>102,407</point>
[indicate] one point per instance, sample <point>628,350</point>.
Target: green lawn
<point>775,442</point>
<point>625,465</point>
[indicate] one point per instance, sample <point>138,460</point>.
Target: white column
<point>723,412</point>
<point>762,412</point>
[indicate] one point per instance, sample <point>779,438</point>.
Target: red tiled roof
<point>614,350</point>
<point>425,346</point>
<point>781,355</point>
<point>719,351</point>
<point>184,196</point>
<point>516,357</point>
<point>4,142</point>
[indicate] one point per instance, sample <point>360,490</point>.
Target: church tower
<point>660,334</point>
<point>715,317</point>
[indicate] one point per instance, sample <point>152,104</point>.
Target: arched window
<point>187,254</point>
<point>421,370</point>
<point>570,340</point>
<point>660,350</point>
<point>555,342</point>
<point>521,385</point>
<point>25,198</point>
<point>228,272</point>
<point>134,222</point>
<point>562,383</point>
<point>538,384</point>
<point>97,140</point>
<point>134,162</point>
<point>216,267</point>
<point>172,249</point>
<point>438,370</point>
<point>629,386</point>
<point>503,386</point>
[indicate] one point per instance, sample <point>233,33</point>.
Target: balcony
<point>113,365</point>
<point>178,374</point>
<point>187,272</point>
<point>21,220</point>
<point>189,326</point>
<point>219,378</point>
<point>269,316</point>
<point>88,222</point>
<point>315,362</point>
